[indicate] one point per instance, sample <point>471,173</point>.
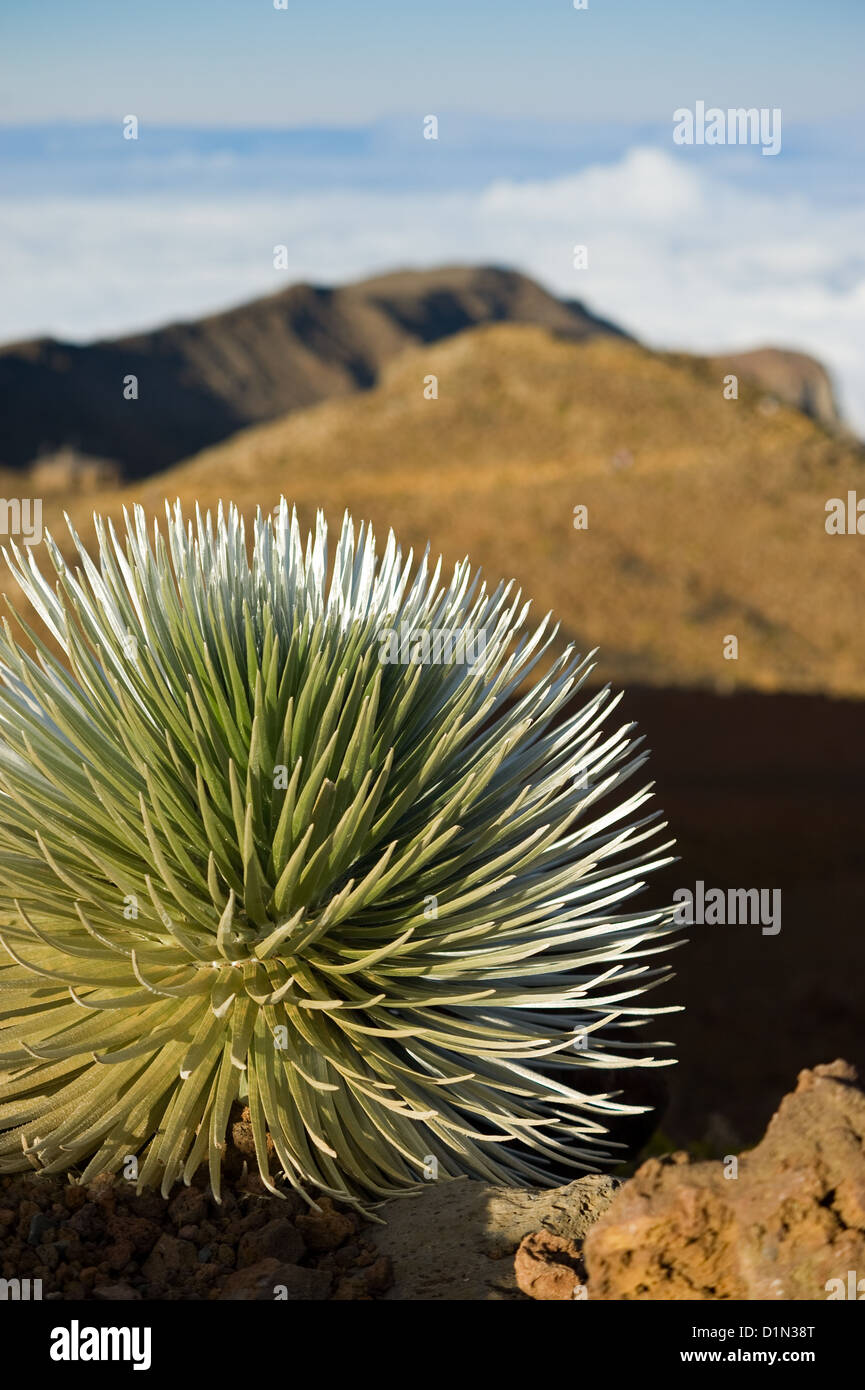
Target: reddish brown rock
<point>277,1239</point>
<point>188,1208</point>
<point>141,1232</point>
<point>88,1222</point>
<point>378,1276</point>
<point>168,1257</point>
<point>327,1228</point>
<point>548,1267</point>
<point>103,1190</point>
<point>118,1254</point>
<point>782,1223</point>
<point>351,1289</point>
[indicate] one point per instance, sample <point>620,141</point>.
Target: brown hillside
<point>705,516</point>
<point>794,377</point>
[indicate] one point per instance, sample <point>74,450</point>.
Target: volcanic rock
<point>548,1267</point>
<point>782,1221</point>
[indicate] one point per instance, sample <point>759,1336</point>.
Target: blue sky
<point>303,128</point>
<point>228,62</point>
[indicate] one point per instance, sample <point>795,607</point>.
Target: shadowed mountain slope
<point>201,381</point>
<point>64,408</point>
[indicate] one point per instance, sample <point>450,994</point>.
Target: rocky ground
<point>105,1242</point>
<point>781,1221</point>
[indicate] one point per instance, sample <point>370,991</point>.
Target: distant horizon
<point>303,128</point>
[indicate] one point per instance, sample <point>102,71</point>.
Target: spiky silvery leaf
<point>308,838</point>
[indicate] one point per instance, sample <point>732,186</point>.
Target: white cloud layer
<point>677,254</point>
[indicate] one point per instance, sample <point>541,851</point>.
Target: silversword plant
<point>244,860</point>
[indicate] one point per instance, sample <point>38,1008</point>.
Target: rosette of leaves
<point>255,849</point>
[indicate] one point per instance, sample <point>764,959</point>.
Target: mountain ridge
<point>201,381</point>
